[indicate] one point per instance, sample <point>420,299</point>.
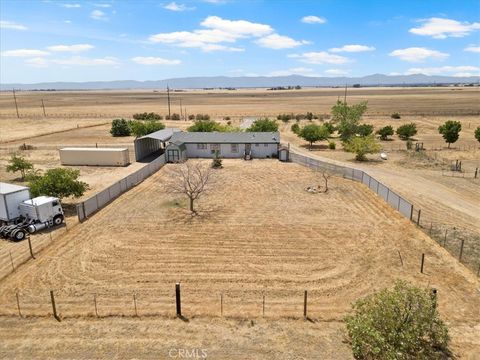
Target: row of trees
<point>57,182</point>
<point>154,116</point>
<point>260,125</point>
<point>123,127</point>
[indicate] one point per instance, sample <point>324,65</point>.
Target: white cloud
<point>275,41</point>
<point>70,48</point>
<point>311,19</point>
<point>472,48</point>
<point>418,54</point>
<point>150,60</point>
<point>81,61</point>
<point>446,70</point>
<point>321,57</point>
<point>353,48</point>
<point>215,1</point>
<point>71,6</point>
<point>24,53</point>
<point>98,15</point>
<point>102,5</point>
<point>218,31</point>
<point>173,6</point>
<point>336,72</point>
<point>11,25</point>
<point>37,62</point>
<point>440,28</point>
<point>294,71</point>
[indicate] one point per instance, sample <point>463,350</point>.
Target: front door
<point>173,155</point>
<point>248,148</point>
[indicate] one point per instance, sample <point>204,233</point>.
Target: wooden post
<point>445,239</point>
<point>263,306</point>
<point>135,303</point>
<point>423,261</point>
<point>305,305</point>
<point>400,256</point>
<point>11,260</point>
<point>168,99</point>
<point>178,300</point>
<point>18,304</point>
<point>43,106</point>
<point>418,218</point>
<point>221,305</point>
<point>30,247</point>
<point>16,106</point>
<point>461,250</point>
<point>54,307</point>
<point>95,303</point>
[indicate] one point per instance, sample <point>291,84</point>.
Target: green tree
<point>295,128</point>
<point>202,117</point>
<point>120,127</point>
<point>141,128</point>
<point>263,125</point>
<point>58,182</point>
<point>147,116</point>
<point>401,323</point>
<point>477,134</point>
<point>205,126</point>
<point>19,163</point>
<point>450,131</point>
<point>347,117</point>
<point>385,132</point>
<point>365,129</point>
<point>406,131</point>
<point>362,146</point>
<point>313,133</point>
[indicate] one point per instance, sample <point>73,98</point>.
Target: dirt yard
<point>259,233</point>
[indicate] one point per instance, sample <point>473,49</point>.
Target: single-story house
<point>246,145</point>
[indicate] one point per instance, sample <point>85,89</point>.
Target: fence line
<point>392,198</point>
<point>102,198</point>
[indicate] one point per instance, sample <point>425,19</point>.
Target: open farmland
<point>259,233</point>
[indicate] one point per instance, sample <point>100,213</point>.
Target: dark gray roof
<point>227,137</point>
<point>162,135</point>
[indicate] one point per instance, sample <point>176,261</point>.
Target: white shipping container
<point>10,198</point>
<point>94,156</point>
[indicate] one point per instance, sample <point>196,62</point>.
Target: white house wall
<point>260,151</point>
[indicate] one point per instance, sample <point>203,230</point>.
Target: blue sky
<point>150,40</point>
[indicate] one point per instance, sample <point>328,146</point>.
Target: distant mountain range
<point>248,82</point>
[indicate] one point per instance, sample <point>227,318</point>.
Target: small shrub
<point>385,132</point>
<point>217,162</point>
<point>202,117</point>
<point>395,116</point>
<point>309,116</point>
<point>120,127</point>
<point>362,146</point>
<point>332,145</point>
<point>295,128</point>
<point>191,117</point>
<point>406,131</point>
<point>175,116</point>
<point>401,323</point>
<point>477,134</point>
<point>365,129</point>
<point>147,116</point>
<point>226,118</point>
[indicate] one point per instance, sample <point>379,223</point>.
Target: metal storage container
<point>10,198</point>
<point>94,156</point>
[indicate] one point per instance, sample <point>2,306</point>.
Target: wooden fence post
<point>18,304</point>
<point>11,260</point>
<point>95,303</point>
<point>305,305</point>
<point>418,218</point>
<point>461,250</point>
<point>221,304</point>
<point>263,306</point>
<point>400,256</point>
<point>54,307</point>
<point>135,303</point>
<point>423,261</point>
<point>30,247</point>
<point>445,240</point>
<point>178,300</point>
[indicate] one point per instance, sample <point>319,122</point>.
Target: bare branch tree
<point>192,180</point>
<point>326,176</point>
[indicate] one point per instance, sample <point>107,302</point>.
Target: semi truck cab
<point>42,209</point>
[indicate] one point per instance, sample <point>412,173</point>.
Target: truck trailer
<point>19,214</point>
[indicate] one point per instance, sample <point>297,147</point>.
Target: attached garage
<point>153,143</point>
<point>76,156</point>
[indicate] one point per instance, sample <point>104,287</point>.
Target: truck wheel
<point>57,220</point>
<point>18,235</point>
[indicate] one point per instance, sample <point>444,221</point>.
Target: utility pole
<point>168,99</point>
<point>16,106</point>
<point>43,106</point>
<point>181,113</point>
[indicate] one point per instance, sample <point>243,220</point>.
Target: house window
<point>234,148</point>
<point>265,145</point>
<point>257,145</point>
<point>214,146</point>
<point>201,146</point>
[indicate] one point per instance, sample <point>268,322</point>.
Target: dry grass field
<point>259,232</point>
